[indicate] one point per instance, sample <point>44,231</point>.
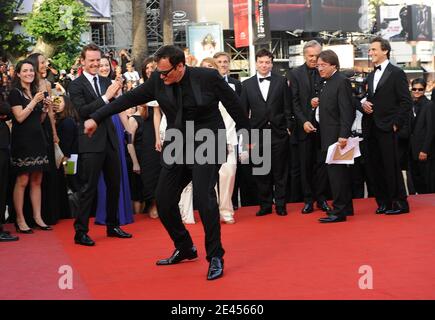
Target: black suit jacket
<point>208,88</point>
<point>237,84</point>
<point>86,102</point>
<point>5,110</point>
<point>301,96</point>
<point>336,110</point>
<point>276,109</point>
<point>422,135</point>
<point>391,101</point>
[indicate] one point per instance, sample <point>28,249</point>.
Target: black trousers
<point>314,176</point>
<point>90,167</point>
<point>384,166</point>
<point>171,183</point>
<point>274,184</point>
<point>421,174</point>
<point>340,176</point>
<point>4,178</point>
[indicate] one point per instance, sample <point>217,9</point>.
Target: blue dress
<point>125,208</point>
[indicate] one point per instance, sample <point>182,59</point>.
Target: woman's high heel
<point>28,231</point>
<point>45,228</point>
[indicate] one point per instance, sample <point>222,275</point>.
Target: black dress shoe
<point>263,212</point>
<point>117,232</point>
<point>178,256</point>
<point>332,218</point>
<point>281,211</point>
<point>308,208</point>
<point>324,206</point>
<point>396,211</point>
<point>5,236</point>
<point>381,210</point>
<point>216,268</point>
<point>83,239</point>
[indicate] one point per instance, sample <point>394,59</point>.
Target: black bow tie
<point>378,68</point>
<point>266,78</point>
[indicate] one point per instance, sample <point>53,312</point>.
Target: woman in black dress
<point>28,144</point>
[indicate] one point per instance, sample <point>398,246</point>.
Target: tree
<point>140,43</point>
<point>11,44</point>
<point>168,32</point>
<point>57,25</point>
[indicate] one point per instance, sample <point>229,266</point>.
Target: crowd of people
<point>115,170</point>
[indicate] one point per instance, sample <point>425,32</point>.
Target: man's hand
<point>308,127</point>
<point>314,103</point>
<point>367,107</point>
<point>113,89</point>
<point>289,132</point>
<point>395,128</point>
<point>342,142</point>
<point>90,127</point>
<point>422,156</point>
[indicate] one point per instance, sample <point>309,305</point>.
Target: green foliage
<point>11,44</point>
<point>58,21</point>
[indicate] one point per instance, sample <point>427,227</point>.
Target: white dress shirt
<point>264,85</point>
<point>379,73</point>
<point>90,78</point>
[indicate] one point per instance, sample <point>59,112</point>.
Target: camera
<point>45,94</point>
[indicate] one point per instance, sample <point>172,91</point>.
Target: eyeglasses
<point>166,72</point>
<point>418,89</point>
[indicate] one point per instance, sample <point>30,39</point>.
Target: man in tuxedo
<point>305,83</point>
<point>244,181</point>
<point>187,96</point>
<point>99,153</point>
<point>266,98</point>
<point>386,111</point>
<point>336,116</point>
<point>5,114</point>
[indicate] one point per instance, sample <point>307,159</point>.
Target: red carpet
<point>270,257</point>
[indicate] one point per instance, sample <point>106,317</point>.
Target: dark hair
<point>419,81</point>
<point>263,53</point>
<point>173,53</point>
<point>111,73</point>
<point>330,57</point>
<point>69,111</point>
<point>385,45</point>
<point>146,62</point>
<point>34,58</point>
<point>89,47</point>
<point>16,82</point>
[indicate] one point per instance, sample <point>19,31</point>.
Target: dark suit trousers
<point>171,183</point>
<point>4,178</point>
<point>340,180</point>
<point>314,176</point>
<point>274,184</point>
<point>91,165</point>
<point>385,167</point>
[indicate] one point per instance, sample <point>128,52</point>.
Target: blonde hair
<point>209,60</point>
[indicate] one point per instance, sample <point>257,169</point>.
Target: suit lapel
<point>196,87</point>
<point>370,80</point>
<point>89,87</point>
<point>170,94</point>
<point>272,87</point>
<point>384,78</point>
<point>103,85</point>
<point>257,87</point>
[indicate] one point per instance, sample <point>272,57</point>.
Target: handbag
<point>58,155</point>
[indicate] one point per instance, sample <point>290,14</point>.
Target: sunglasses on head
<point>418,89</point>
<point>165,72</point>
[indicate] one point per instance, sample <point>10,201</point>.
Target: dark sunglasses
<point>417,89</point>
<point>166,72</point>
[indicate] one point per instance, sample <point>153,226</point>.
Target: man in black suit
<point>188,96</point>
<point>386,111</point>
<point>305,82</point>
<point>244,181</point>
<point>88,93</point>
<point>5,114</point>
<point>266,98</point>
<point>336,116</point>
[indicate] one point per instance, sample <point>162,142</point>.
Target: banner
<point>241,23</point>
<point>261,22</point>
